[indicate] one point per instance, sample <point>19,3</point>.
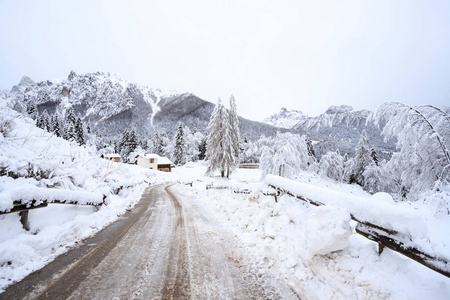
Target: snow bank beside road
<point>379,209</point>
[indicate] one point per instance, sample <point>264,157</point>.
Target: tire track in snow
<point>177,285</point>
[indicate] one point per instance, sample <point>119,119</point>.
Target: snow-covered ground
<point>315,249</point>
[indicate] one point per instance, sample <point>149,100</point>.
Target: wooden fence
<point>24,208</point>
<point>388,238</point>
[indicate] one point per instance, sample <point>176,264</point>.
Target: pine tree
<point>159,143</point>
<point>79,132</point>
<point>123,143</point>
<point>202,149</point>
<point>374,156</point>
<point>56,126</point>
<point>70,116</point>
<point>132,142</point>
<point>362,159</point>
<point>69,125</point>
<point>179,153</point>
<point>128,144</point>
<point>219,149</point>
<point>309,144</point>
<point>234,133</point>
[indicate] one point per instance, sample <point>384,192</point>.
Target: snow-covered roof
<point>112,155</point>
<point>164,161</point>
<point>149,155</point>
<point>160,160</point>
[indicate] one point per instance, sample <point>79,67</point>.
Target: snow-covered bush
<point>332,165</point>
<point>287,157</point>
<point>372,178</point>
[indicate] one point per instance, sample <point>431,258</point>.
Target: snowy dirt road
<point>165,248</point>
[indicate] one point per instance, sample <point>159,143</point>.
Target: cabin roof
<point>161,160</point>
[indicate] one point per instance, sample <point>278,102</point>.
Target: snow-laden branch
<point>422,135</point>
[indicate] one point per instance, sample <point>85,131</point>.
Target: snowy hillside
<point>109,104</point>
<point>35,165</point>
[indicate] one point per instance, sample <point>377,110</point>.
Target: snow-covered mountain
<point>338,128</point>
<point>285,118</point>
<point>110,105</point>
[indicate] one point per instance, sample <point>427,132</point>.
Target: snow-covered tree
<point>219,148</point>
<point>249,152</point>
<point>361,160</point>
<point>310,146</point>
<point>234,132</point>
<point>287,157</point>
<point>332,165</point>
<point>202,148</point>
<point>32,111</point>
<point>423,141</point>
<point>192,144</point>
<point>372,178</point>
<point>179,153</point>
<point>127,144</point>
<point>79,132</point>
<point>160,143</point>
<point>374,156</point>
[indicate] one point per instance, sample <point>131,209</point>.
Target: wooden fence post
<point>24,220</point>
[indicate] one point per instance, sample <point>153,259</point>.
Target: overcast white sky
<point>304,55</point>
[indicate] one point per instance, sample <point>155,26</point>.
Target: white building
<point>154,162</point>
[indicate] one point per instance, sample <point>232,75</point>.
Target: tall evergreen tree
<point>310,146</point>
<point>133,142</point>
<point>69,125</point>
<point>79,132</point>
<point>219,149</point>
<point>57,126</point>
<point>179,154</point>
<point>234,133</point>
<point>362,159</point>
<point>374,156</point>
<point>159,143</point>
<point>202,149</point>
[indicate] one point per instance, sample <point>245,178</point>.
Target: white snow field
<point>315,249</point>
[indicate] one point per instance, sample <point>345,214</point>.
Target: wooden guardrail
<point>388,238</point>
<point>249,166</point>
<point>24,208</point>
<point>239,191</point>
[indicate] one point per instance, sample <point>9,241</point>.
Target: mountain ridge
<point>110,105</point>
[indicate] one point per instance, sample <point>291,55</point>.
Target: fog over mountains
<point>109,105</point>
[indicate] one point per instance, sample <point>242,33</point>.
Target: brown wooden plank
<point>434,263</point>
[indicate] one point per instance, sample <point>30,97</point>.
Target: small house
<point>154,162</point>
<point>112,156</point>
